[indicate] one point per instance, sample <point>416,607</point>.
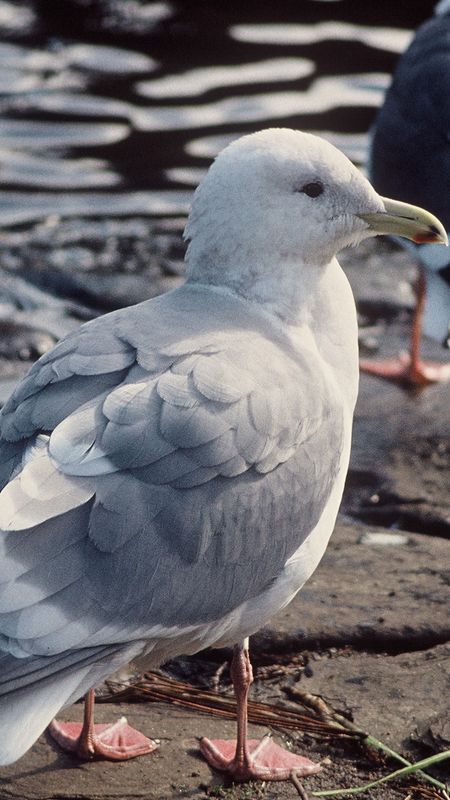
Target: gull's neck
<point>314,307</point>
<point>287,289</point>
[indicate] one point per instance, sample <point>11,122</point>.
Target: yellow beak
<point>402,219</point>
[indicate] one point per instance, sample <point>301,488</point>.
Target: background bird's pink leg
<point>409,368</point>
<point>114,742</point>
<point>249,759</point>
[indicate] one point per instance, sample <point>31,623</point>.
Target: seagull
<point>410,158</point>
<point>172,471</point>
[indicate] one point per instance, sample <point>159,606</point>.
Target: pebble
<point>382,538</point>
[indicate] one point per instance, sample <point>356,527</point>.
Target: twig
<point>159,688</point>
<point>302,793</point>
<point>431,794</point>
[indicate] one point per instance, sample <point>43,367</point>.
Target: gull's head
<point>280,196</point>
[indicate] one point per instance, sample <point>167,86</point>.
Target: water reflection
<point>393,40</point>
<point>30,170</point>
<point>87,114</point>
<point>198,81</point>
<point>352,144</point>
<point>17,208</point>
<point>30,135</point>
<point>268,109</point>
<point>16,17</point>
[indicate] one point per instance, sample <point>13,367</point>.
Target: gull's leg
<point>422,373</point>
<point>114,742</point>
<point>251,759</point>
<point>409,368</point>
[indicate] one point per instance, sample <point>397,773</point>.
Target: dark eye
<point>313,189</point>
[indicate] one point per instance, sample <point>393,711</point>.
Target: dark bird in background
<point>410,158</point>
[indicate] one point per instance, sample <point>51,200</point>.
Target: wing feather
<point>163,482</point>
<point>220,380</point>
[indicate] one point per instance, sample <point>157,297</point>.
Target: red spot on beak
<point>427,237</point>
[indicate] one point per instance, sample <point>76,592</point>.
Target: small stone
<point>382,538</point>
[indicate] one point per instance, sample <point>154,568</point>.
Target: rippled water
<point>115,107</point>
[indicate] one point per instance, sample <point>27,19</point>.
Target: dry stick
<point>302,793</point>
<point>160,688</point>
<point>430,794</point>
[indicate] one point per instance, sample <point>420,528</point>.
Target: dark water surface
<point>115,107</point>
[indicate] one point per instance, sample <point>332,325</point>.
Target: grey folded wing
<point>164,462</point>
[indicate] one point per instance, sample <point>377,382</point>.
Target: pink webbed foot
<point>265,760</point>
<point>403,370</point>
<point>113,742</point>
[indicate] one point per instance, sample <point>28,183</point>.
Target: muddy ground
<point>369,632</point>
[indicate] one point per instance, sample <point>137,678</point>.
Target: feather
<point>38,493</point>
<point>76,438</point>
<point>218,379</point>
<point>178,390</point>
<point>190,427</point>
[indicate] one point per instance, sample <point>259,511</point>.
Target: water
<point>115,107</point>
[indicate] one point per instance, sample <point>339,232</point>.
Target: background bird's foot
<point>113,742</point>
<point>403,370</point>
<point>266,760</point>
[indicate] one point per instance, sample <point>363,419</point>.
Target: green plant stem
<point>370,740</point>
<point>399,773</point>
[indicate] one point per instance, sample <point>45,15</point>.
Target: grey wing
<point>168,498</point>
<point>81,367</point>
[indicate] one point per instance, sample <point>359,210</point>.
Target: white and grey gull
<point>172,471</point>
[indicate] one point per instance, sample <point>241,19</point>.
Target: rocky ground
<point>369,632</point>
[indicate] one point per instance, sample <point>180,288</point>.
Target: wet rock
<point>435,732</point>
<point>399,468</point>
<point>11,372</point>
<point>390,697</point>
<point>376,596</point>
<point>19,341</point>
<point>101,264</point>
<point>400,458</point>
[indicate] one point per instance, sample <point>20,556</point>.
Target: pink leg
<point>409,368</point>
<point>117,742</point>
<point>252,759</point>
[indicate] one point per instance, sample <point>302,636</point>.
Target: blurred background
<point>111,111</point>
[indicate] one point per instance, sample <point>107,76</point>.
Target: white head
<point>277,201</point>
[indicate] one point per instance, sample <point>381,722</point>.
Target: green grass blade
<point>425,763</point>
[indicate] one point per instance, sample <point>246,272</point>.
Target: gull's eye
<point>313,189</point>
